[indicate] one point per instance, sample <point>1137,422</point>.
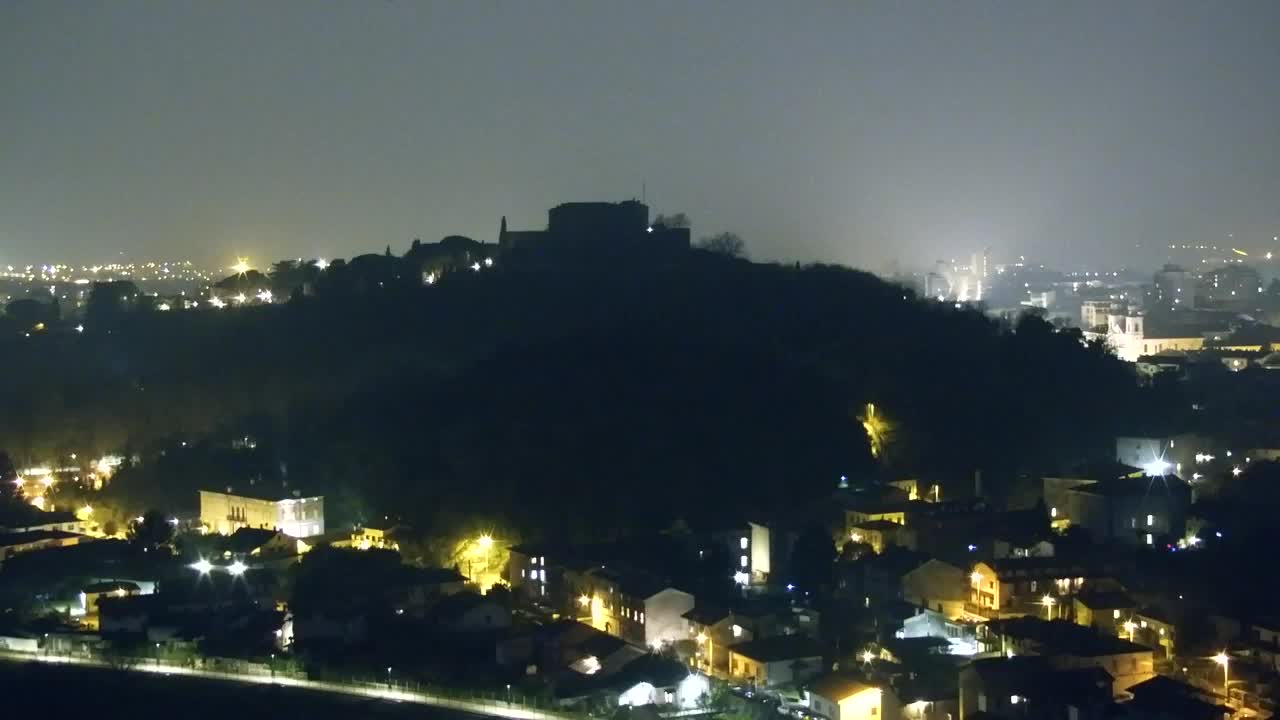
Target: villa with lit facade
<point>286,511</point>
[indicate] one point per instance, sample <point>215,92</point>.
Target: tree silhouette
<point>152,532</point>
<point>725,243</point>
<point>675,220</point>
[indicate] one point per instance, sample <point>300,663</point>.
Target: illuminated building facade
<point>840,697</point>
<point>292,514</point>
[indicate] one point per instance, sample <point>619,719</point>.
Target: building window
<point>742,543</point>
<point>1149,539</point>
<point>642,617</point>
<point>1151,520</point>
<point>737,631</point>
<point>1053,512</point>
<point>1115,614</point>
<point>742,561</point>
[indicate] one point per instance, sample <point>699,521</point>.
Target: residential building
<point>1104,610</point>
<point>1135,510</point>
<point>1163,698</point>
<point>1160,454</point>
<point>31,540</point>
<point>880,534</point>
<point>248,542</point>
<point>778,660</point>
<point>1068,646</point>
<point>469,612</point>
<point>90,594</point>
<point>713,629</point>
<point>1156,629</point>
<point>938,586</point>
<point>637,607</point>
<point>1174,288</point>
<point>1029,688</point>
<point>287,511</point>
<point>1020,586</point>
<point>846,697</point>
<point>961,636</point>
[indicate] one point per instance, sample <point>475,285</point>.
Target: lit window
<point>1149,539</point>
<point>522,572</point>
<point>737,631</point>
<point>1115,614</point>
<point>742,561</point>
<point>742,543</point>
<point>1151,520</point>
<point>533,561</point>
<point>642,618</point>
<point>542,560</point>
<point>1053,512</point>
<point>1143,624</point>
<point>1162,632</point>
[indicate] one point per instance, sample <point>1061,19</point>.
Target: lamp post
<point>388,677</point>
<point>273,666</point>
<point>1225,661</point>
<point>1048,603</point>
<point>1130,626</point>
<point>508,693</point>
<point>157,654</point>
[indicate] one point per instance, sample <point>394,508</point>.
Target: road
<point>363,690</point>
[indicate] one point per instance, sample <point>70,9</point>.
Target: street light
<point>867,657</point>
<point>1225,661</point>
<point>202,566</point>
<point>388,677</point>
<point>508,693</point>
<point>1048,602</point>
<point>237,568</point>
<point>1130,626</point>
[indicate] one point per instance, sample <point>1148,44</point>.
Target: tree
<point>726,243</point>
<point>153,531</point>
<point>8,478</point>
<point>675,220</point>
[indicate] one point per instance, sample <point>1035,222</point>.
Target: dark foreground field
<point>38,690</point>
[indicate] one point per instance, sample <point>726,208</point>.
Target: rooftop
<point>838,686</point>
<point>111,586</point>
<point>779,647</point>
<point>1064,637</point>
<point>707,614</point>
<point>32,536</point>
<point>265,491</point>
<point>1096,599</point>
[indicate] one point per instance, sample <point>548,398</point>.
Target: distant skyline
<point>1085,133</point>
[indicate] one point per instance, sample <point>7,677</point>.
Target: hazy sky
<point>859,132</point>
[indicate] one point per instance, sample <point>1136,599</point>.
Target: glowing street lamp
<point>1048,602</point>
<point>1235,471</point>
<point>202,566</point>
<point>1225,661</point>
<point>486,542</point>
<point>1130,626</point>
<point>583,600</point>
<point>867,657</point>
<point>237,568</point>
<point>241,267</point>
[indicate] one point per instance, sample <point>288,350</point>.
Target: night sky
<point>856,132</point>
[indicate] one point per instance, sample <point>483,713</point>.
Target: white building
<point>290,513</point>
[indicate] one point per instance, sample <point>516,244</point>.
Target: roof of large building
<point>779,647</point>
<point>32,536</point>
<point>1096,599</point>
<point>838,686</point>
<point>265,491</point>
<point>111,586</point>
<point>707,614</point>
<point>1033,677</point>
<point>246,540</point>
<point>1135,486</point>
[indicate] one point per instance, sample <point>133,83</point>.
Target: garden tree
<point>329,577</point>
<point>726,243</point>
<point>813,559</point>
<point>152,532</point>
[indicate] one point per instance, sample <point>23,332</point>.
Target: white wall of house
<point>663,617</point>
